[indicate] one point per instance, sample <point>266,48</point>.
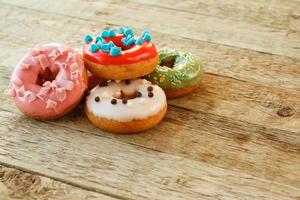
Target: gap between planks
<point>17,182</point>
<point>220,31</point>
<point>193,178</point>
<point>241,64</point>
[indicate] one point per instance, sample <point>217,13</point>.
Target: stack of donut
<point>125,79</point>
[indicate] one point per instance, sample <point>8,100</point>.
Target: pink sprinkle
<point>24,66</point>
<point>50,104</point>
<point>63,65</point>
<point>17,81</point>
<point>75,75</point>
<point>20,91</point>
<point>43,61</point>
<point>54,54</point>
<point>44,91</point>
<point>10,92</point>
<point>61,94</point>
<point>34,52</point>
<point>62,49</point>
<point>71,57</point>
<point>47,84</point>
<point>68,85</point>
<point>74,66</point>
<point>30,96</point>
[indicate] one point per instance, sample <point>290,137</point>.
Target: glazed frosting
<point>110,48</point>
<point>136,108</point>
<point>185,72</point>
<point>36,95</point>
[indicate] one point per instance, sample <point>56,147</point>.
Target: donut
<point>48,81</point>
<point>126,107</point>
<point>178,73</point>
<point>121,55</point>
<point>93,80</point>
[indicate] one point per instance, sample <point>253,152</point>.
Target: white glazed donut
<point>127,106</point>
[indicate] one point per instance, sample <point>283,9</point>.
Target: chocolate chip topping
<point>127,82</point>
<point>103,83</point>
<point>124,101</point>
<point>113,101</point>
<point>87,93</point>
<point>150,94</point>
<point>97,99</point>
<point>138,94</point>
<point>150,88</point>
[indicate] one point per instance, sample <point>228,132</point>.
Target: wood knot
<point>286,111</point>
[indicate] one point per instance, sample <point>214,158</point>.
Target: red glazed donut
<point>48,81</point>
<point>121,55</point>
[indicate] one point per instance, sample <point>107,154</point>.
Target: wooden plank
<point>231,98</point>
<point>16,184</point>
<point>208,136</point>
<point>216,30</point>
<point>266,153</point>
<point>132,172</point>
<point>242,101</point>
<point>278,71</point>
<point>282,14</point>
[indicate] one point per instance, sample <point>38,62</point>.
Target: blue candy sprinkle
<point>124,41</point>
<point>121,30</point>
<point>139,41</point>
<point>111,32</point>
<point>147,37</point>
<point>115,51</point>
<point>100,42</point>
<point>131,41</point>
<point>105,47</point>
<point>94,48</point>
<point>98,38</point>
<point>144,32</point>
<point>105,34</point>
<point>128,31</point>
<point>128,37</point>
<point>111,44</point>
<point>87,39</point>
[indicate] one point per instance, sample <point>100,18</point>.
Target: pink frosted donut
<point>48,81</point>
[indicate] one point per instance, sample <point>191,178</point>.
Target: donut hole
<point>127,96</point>
<point>46,75</point>
<point>168,62</point>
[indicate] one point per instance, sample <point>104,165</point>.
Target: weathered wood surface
<point>16,184</point>
<point>225,141</point>
<point>184,24</point>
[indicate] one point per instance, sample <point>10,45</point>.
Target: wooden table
<point>236,137</point>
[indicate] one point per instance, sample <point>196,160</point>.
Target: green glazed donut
<point>178,73</point>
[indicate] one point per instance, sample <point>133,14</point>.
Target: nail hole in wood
<point>286,111</point>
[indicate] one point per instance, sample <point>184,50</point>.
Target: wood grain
<point>130,171</point>
<point>246,65</point>
<point>282,14</point>
<point>197,27</point>
<point>238,99</point>
<point>16,184</point>
<point>205,135</point>
<point>228,140</point>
